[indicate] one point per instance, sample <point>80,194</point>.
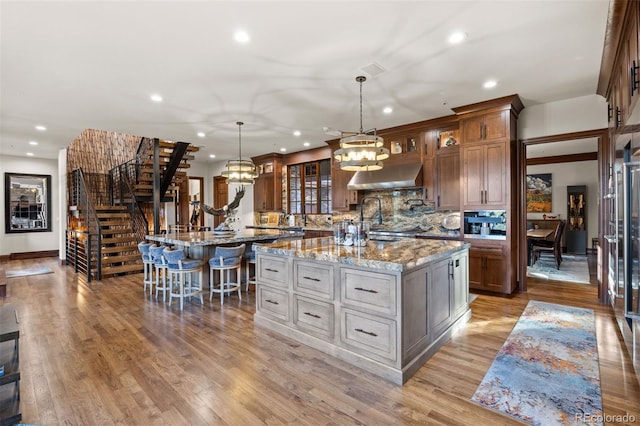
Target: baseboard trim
<point>34,254</point>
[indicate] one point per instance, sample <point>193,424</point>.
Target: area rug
<point>27,272</point>
<point>573,269</point>
<point>547,371</point>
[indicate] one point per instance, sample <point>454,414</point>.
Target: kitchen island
<point>201,245</point>
<point>386,307</point>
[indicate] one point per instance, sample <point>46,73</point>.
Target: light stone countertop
<point>400,255</point>
<point>212,238</point>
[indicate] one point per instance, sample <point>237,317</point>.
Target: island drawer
<point>313,278</point>
<point>370,290</point>
<point>273,302</point>
<point>373,335</point>
<point>273,270</point>
<point>314,316</point>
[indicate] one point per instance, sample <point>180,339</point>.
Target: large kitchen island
<point>386,307</point>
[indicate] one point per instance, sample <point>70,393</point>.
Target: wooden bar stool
<point>161,268</point>
<point>249,260</point>
<point>147,262</point>
<point>226,259</point>
<point>182,269</point>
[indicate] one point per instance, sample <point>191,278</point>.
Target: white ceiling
<point>75,65</point>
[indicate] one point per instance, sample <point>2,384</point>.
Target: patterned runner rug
<point>574,269</point>
<point>27,272</point>
<point>547,371</point>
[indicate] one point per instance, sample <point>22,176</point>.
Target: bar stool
<point>182,269</point>
<point>226,259</point>
<point>249,259</point>
<point>161,268</point>
<point>147,262</point>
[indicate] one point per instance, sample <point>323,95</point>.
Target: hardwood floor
<point>105,353</point>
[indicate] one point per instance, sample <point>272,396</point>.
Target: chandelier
<point>361,150</point>
<point>240,172</point>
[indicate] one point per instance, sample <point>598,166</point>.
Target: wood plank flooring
<point>106,353</point>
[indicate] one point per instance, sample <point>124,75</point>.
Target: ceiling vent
<point>373,69</point>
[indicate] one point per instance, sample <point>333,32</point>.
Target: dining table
<point>536,234</point>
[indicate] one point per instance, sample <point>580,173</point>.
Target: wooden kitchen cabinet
<point>486,127</point>
<point>448,179</point>
<point>342,199</point>
<point>267,192</point>
<point>484,176</point>
<point>488,269</point>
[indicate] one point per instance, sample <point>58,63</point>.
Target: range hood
<point>390,177</point>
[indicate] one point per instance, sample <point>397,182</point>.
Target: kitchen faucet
<point>379,208</point>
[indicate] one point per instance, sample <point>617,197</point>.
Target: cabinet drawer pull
<point>359,330</point>
<point>271,301</point>
<point>365,289</point>
<point>312,315</point>
<point>311,278</point>
<point>271,270</point>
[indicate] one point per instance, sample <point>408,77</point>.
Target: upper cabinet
<point>403,147</point>
<point>267,191</point>
<point>619,80</point>
<point>485,127</point>
<point>485,176</point>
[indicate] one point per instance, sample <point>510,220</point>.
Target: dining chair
<point>226,259</point>
<point>553,246</point>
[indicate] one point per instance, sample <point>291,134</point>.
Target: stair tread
<point>112,231</point>
<point>121,258</point>
<point>120,249</point>
<point>111,270</point>
<point>118,240</point>
<point>111,208</point>
<point>112,215</point>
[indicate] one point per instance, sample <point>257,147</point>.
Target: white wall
<point>567,174</point>
<point>245,211</point>
<point>566,116</point>
<point>32,241</point>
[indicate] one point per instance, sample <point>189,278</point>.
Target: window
<point>310,187</point>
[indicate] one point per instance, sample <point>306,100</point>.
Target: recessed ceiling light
<point>156,98</point>
<point>29,154</point>
<point>33,143</point>
<point>283,149</point>
<point>212,156</point>
<point>201,134</point>
<point>306,144</point>
<point>387,110</point>
<point>41,128</point>
<point>241,36</point>
<point>296,133</point>
<point>490,84</point>
<point>457,37</point>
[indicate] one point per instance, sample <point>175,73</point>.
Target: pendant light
<point>240,172</point>
<point>362,150</point>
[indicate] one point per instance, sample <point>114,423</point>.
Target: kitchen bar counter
<point>400,255</point>
<point>216,238</point>
<point>384,307</point>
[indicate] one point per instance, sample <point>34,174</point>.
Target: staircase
<point>106,213</point>
<point>119,242</point>
<point>171,165</point>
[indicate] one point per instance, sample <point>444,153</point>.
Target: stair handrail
<point>82,199</point>
<point>122,177</point>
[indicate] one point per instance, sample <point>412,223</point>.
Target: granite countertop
<point>193,239</point>
<point>401,255</point>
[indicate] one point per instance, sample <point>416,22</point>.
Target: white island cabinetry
<point>362,305</point>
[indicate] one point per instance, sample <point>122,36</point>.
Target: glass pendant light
<point>240,172</point>
<point>362,150</point>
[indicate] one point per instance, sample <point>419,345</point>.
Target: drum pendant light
<point>240,172</point>
<point>362,150</point>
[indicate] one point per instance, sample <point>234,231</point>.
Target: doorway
<point>571,148</point>
<point>220,197</point>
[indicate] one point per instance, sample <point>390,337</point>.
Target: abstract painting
<point>539,193</point>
